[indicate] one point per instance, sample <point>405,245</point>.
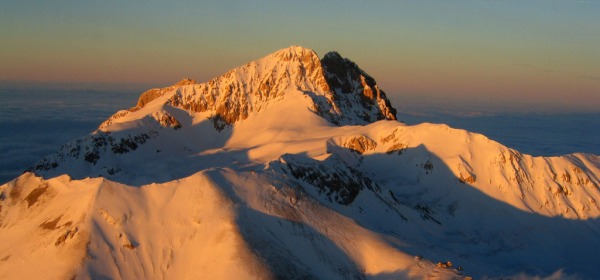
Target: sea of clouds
<point>37,122</point>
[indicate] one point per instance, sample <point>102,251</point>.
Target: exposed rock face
<point>341,92</point>
<point>154,93</point>
<point>241,91</point>
<point>360,144</point>
<point>352,86</point>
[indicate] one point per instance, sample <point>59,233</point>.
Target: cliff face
<point>340,91</point>
<point>356,89</point>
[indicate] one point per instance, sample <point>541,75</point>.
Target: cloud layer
<point>34,122</point>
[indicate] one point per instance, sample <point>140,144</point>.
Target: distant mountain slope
<point>291,167</point>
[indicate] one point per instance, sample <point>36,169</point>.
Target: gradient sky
<point>543,52</point>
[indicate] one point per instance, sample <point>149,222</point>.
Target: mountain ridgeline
<point>295,167</point>
<point>341,92</point>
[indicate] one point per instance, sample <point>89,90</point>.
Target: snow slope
<point>295,167</point>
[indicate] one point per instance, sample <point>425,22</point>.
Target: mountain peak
<point>185,82</point>
<point>332,55</point>
<point>336,88</point>
<point>340,92</point>
<point>296,53</point>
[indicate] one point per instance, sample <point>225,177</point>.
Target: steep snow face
<point>253,175</point>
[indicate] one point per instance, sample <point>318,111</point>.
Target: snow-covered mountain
<point>294,167</point>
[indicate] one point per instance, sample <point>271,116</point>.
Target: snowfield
<point>292,167</point>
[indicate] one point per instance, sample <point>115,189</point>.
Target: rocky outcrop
<point>166,120</point>
<point>360,144</point>
<point>154,93</point>
<point>145,98</point>
<point>333,177</point>
<point>92,148</point>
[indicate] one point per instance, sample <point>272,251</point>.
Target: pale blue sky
<point>511,51</point>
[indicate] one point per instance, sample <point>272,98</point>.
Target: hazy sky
<point>544,51</point>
